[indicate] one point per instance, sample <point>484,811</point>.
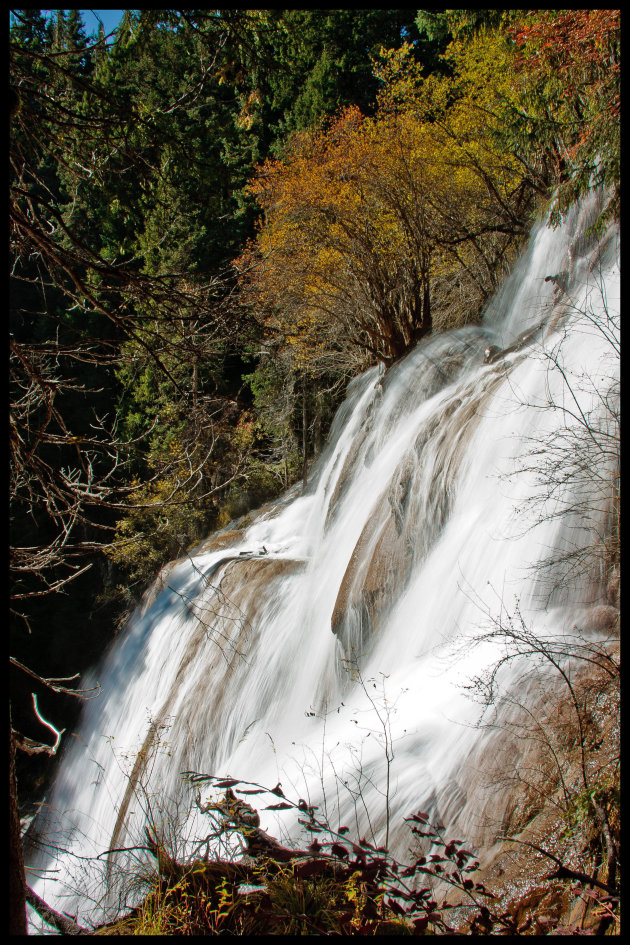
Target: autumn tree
<point>317,245</point>
<point>377,229</point>
<point>570,62</point>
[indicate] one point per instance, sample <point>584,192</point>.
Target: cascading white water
<point>428,516</point>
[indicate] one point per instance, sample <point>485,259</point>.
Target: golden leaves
<point>361,217</point>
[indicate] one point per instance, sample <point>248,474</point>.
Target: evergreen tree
<point>57,31</point>
<point>99,54</point>
<point>29,30</point>
<point>76,42</point>
<point>326,62</point>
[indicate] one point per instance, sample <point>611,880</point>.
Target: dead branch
<point>563,872</point>
<point>60,922</point>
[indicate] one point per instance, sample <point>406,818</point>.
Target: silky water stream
<point>466,485</point>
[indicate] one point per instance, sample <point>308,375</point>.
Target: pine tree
<point>29,29</point>
<point>99,53</point>
<point>57,28</point>
<point>76,42</point>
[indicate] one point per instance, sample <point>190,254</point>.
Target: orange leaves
<point>345,222</point>
<point>330,231</point>
<point>572,61</point>
<point>571,41</point>
<point>317,173</point>
<point>363,218</point>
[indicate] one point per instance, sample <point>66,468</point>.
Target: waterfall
<point>451,497</point>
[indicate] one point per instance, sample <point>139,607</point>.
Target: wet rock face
<point>401,492</point>
<point>223,539</point>
<point>596,619</point>
<point>539,753</point>
<point>373,570</point>
<point>156,588</point>
<point>612,589</point>
<point>490,354</point>
<point>380,563</point>
<point>407,519</point>
<point>249,579</point>
<point>437,363</point>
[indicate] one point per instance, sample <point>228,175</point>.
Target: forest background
<point>217,219</point>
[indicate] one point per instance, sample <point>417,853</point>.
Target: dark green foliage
<point>441,26</point>
<point>29,29</point>
<point>325,62</point>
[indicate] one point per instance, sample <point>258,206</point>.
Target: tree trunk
<point>58,921</point>
<point>317,424</point>
<point>427,317</point>
<point>17,884</point>
<point>304,434</point>
<point>195,383</point>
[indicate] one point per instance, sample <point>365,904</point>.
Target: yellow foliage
<point>370,211</point>
<point>401,76</point>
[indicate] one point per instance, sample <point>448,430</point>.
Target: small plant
<point>342,886</point>
<point>383,707</point>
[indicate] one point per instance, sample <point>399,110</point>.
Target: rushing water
<point>453,493</point>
